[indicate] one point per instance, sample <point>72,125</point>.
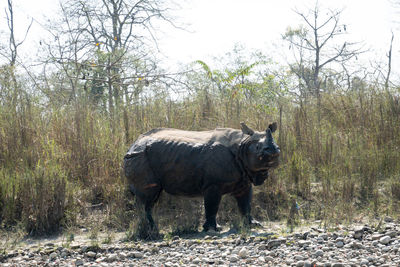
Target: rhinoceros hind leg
<point>212,198</point>
<point>147,228</point>
<point>149,208</point>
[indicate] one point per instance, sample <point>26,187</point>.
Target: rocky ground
<point>364,245</point>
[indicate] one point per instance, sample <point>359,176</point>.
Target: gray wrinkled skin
<point>206,163</point>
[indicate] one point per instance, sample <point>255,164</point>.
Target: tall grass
<point>58,162</point>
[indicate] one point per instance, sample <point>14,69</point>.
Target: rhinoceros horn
<point>271,128</point>
<point>245,129</point>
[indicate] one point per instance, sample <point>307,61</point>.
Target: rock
<point>324,236</point>
<point>100,259</point>
<point>392,234</point>
<point>320,249</point>
<point>304,243</point>
<point>196,260</point>
<point>276,242</point>
<point>347,246</point>
<point>388,219</point>
<point>305,235</point>
<point>243,253</point>
<point>319,253</point>
<point>339,244</point>
<point>78,262</point>
<point>268,258</point>
<point>206,260</point>
<point>233,258</point>
<point>75,246</point>
<point>91,254</point>
<point>299,258</point>
<point>368,229</point>
<point>376,236</point>
<point>138,254</point>
<point>289,262</point>
<point>359,233</point>
<point>112,257</point>
<point>357,245</point>
<point>45,257</point>
<point>385,240</point>
<point>53,256</point>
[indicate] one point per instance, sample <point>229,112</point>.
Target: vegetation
<point>64,132</point>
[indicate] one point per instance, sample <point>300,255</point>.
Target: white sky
<point>216,25</point>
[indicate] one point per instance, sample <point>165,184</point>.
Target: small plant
<point>94,235</point>
<point>68,237</point>
<point>109,238</point>
<point>168,236</point>
<point>395,189</point>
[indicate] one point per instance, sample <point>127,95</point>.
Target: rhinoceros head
<point>261,153</point>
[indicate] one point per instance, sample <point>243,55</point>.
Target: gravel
<point>344,246</point>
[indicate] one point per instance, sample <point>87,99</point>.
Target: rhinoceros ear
<point>273,127</point>
<point>245,129</point>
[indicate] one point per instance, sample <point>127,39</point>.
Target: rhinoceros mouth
<point>273,160</point>
<point>270,161</point>
<point>273,164</point>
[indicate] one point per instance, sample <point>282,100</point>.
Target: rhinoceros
<point>208,164</point>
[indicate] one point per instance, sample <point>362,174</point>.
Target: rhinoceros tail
<point>132,155</point>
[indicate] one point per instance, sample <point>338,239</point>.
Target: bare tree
<point>315,46</point>
<point>104,49</point>
<point>12,52</point>
<point>15,99</point>
<point>116,29</point>
<point>110,35</point>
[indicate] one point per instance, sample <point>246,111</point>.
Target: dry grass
<point>57,161</point>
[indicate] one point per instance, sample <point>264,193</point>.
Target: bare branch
<point>334,57</point>
<point>389,63</point>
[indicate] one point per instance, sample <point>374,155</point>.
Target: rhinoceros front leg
<point>244,203</point>
<point>212,198</point>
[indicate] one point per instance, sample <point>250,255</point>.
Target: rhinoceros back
<point>226,136</point>
<point>182,157</point>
